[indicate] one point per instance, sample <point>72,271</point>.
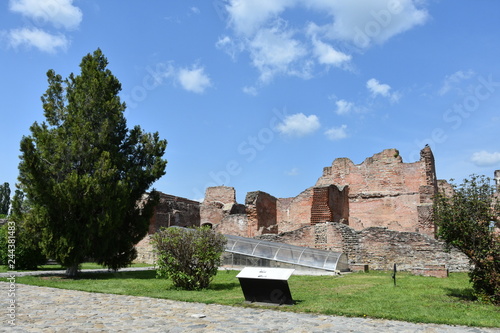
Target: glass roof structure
<point>314,258</point>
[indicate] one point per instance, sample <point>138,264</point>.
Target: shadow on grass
<point>224,286</point>
<point>150,274</point>
<point>464,294</point>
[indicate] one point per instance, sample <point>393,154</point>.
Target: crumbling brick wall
<point>218,202</point>
<point>384,191</point>
<point>293,213</point>
<point>170,211</point>
<point>378,247</point>
<point>261,213</point>
<point>221,211</point>
<point>174,211</point>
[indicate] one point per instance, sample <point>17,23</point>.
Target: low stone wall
<point>377,247</point>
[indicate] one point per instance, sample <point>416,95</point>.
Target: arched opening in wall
<point>209,225</point>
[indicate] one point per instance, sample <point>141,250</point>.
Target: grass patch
<point>415,298</point>
<point>57,267</point>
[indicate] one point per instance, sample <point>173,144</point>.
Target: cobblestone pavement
<point>41,309</point>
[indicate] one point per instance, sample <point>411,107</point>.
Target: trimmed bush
<point>190,257</point>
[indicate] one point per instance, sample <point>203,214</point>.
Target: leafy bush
<point>190,257</point>
<point>26,253</point>
<point>467,220</point>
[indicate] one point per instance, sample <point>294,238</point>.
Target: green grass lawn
<point>57,267</point>
<point>415,298</point>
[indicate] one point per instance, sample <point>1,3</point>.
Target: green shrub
<point>25,254</point>
<point>190,257</point>
<point>466,220</point>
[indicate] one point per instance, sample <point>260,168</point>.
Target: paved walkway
<point>41,309</point>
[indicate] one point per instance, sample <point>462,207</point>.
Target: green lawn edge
<point>414,299</point>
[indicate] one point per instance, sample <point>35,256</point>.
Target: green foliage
<point>25,253</point>
<point>84,172</point>
<point>4,198</point>
<point>466,220</point>
<point>190,257</point>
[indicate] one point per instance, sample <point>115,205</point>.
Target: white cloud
<point>327,55</point>
<point>337,133</point>
<point>376,88</point>
<point>230,46</point>
<point>248,16</point>
<point>275,51</point>
<point>360,21</point>
<point>195,10</point>
<point>453,80</point>
<point>60,13</point>
<point>344,107</point>
<point>194,79</point>
<point>37,38</point>
<point>298,125</point>
<point>484,158</point>
<point>365,22</point>
<point>276,47</point>
<point>250,90</point>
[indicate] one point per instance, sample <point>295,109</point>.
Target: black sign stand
<point>266,285</point>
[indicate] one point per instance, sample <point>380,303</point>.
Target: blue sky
<point>261,95</point>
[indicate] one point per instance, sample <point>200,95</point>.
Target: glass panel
<point>265,250</point>
<point>289,254</point>
<point>286,253</point>
<point>244,247</point>
<point>331,262</point>
<point>230,244</point>
<point>313,258</point>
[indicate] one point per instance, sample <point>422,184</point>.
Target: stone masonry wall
<point>379,248</point>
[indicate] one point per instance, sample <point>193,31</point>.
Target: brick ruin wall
<point>385,192</point>
<point>261,213</point>
<point>377,212</point>
<point>377,247</point>
<point>170,211</point>
<point>380,192</point>
<point>293,213</point>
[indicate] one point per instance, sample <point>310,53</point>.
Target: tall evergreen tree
<point>84,173</point>
<point>4,198</point>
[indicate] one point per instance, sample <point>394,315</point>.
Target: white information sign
<point>266,273</point>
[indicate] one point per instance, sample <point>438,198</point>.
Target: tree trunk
<point>72,270</point>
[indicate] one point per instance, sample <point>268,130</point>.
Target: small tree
<point>4,199</point>
<point>26,253</point>
<point>467,220</point>
<point>190,257</point>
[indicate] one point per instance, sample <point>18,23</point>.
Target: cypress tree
<point>85,173</point>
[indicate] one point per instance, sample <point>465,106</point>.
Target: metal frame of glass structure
<point>297,255</point>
